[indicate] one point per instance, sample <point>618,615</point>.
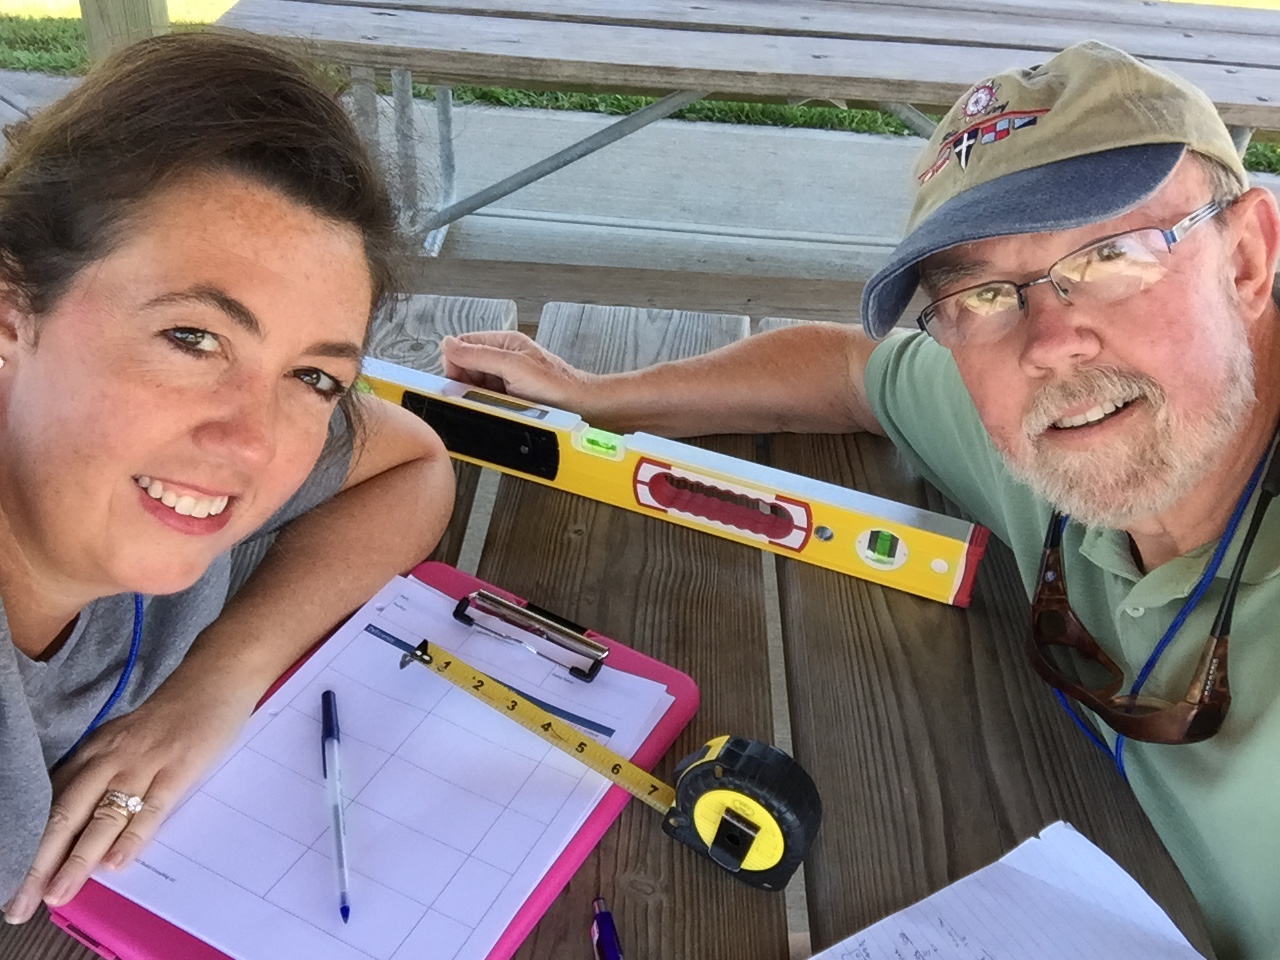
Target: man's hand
<point>804,379</point>
<point>156,752</point>
<point>509,362</point>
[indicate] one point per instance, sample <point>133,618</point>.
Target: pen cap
<point>329,716</point>
<point>604,935</point>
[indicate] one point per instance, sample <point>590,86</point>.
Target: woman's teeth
<point>184,504</point>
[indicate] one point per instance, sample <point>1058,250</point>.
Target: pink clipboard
<point>118,929</point>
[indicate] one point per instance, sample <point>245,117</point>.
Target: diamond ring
<point>121,802</point>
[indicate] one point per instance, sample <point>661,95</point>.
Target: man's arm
<point>389,513</point>
<point>804,379</point>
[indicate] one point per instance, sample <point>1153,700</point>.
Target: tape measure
<point>745,805</point>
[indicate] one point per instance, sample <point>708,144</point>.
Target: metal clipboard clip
<point>554,638</point>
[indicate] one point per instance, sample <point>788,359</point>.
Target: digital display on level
<point>505,403</point>
<point>490,439</point>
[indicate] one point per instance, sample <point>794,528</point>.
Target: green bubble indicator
<point>601,442</point>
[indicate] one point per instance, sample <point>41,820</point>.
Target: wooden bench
<point>923,52</point>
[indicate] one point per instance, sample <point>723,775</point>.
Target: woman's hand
<point>156,752</point>
<point>509,362</point>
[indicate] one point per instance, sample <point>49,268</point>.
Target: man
<point>1100,340</point>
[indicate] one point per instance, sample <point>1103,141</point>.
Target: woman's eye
<point>323,384</point>
<point>193,339</point>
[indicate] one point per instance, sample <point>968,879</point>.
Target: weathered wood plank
<point>409,333</point>
<point>1230,36</point>
<point>112,24</point>
<point>816,17</point>
<point>39,939</point>
<point>410,330</point>
<point>688,599</point>
<point>532,285</point>
<point>493,50</point>
<point>938,748</point>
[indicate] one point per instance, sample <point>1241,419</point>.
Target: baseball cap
<point>1083,137</point>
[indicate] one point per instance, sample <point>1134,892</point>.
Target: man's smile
<point>1095,414</point>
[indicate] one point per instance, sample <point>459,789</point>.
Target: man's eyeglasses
<point>1064,653</point>
<point>1103,271</point>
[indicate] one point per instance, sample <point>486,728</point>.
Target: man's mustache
<point>1089,385</point>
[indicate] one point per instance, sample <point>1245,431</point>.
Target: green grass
<point>813,116</point>
<point>52,45</point>
<point>56,44</point>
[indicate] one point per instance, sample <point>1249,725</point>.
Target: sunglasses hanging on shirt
<point>1064,653</point>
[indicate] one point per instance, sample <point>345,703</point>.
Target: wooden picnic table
<point>934,746</point>
<point>921,52</point>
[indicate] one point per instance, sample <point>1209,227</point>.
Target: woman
<point>191,247</point>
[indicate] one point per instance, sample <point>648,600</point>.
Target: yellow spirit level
<point>889,543</point>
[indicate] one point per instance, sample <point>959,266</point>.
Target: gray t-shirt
<point>45,706</point>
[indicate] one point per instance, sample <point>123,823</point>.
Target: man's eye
<point>1105,252</point>
<point>988,300</point>
<point>326,386</point>
<point>1109,258</point>
<point>193,339</point>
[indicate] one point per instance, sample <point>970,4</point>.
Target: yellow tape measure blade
<point>559,733</point>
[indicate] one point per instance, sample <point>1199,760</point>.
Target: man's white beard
<point>1121,480</point>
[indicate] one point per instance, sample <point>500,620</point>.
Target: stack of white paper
<point>1054,897</point>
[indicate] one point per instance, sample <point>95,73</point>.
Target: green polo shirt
<point>1215,804</point>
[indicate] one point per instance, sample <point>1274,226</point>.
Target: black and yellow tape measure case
<point>749,807</point>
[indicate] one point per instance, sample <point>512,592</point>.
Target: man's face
<point>1113,411</point>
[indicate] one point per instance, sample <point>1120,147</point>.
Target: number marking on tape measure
<point>639,783</point>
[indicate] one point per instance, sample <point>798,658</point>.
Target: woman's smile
<point>184,509</point>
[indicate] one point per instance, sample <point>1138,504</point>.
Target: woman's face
<point>180,391</point>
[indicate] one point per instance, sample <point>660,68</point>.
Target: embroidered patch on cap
<point>985,131</point>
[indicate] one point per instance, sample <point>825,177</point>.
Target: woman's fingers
<point>79,832</point>
<point>110,822</point>
<point>158,804</point>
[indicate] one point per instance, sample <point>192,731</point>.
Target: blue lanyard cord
<point>1206,578</point>
<point>1084,727</point>
<point>120,684</point>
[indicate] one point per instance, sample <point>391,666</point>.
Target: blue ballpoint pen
<point>329,739</point>
<point>604,935</point>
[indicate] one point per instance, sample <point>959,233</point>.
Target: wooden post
<point>112,24</point>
